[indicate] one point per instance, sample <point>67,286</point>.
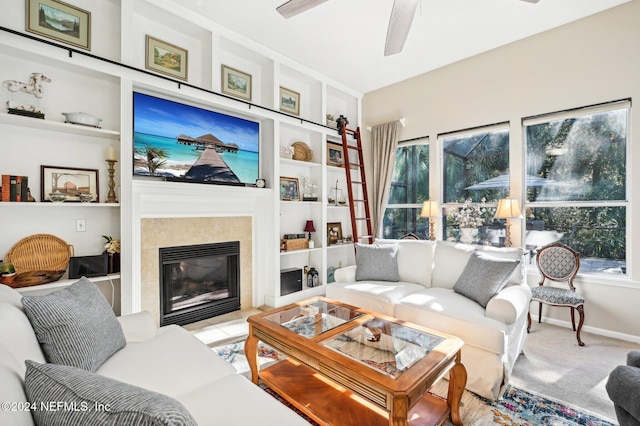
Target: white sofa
<point>169,361</point>
<point>428,271</point>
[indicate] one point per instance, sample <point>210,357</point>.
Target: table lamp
<point>308,227</point>
<point>431,210</point>
<point>508,208</point>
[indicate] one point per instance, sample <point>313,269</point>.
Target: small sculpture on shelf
<point>33,87</point>
<point>310,188</point>
<point>112,249</point>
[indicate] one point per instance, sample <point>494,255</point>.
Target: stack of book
<point>14,188</point>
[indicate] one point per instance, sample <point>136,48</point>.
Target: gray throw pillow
<point>377,262</point>
<point>75,326</point>
<point>483,277</point>
<point>69,396</point>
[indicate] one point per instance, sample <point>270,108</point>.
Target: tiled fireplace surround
<point>181,231</point>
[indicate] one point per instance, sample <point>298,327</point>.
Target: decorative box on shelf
<point>296,244</point>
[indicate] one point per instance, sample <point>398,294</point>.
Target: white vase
<point>466,235</point>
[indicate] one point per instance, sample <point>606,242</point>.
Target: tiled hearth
<point>178,231</point>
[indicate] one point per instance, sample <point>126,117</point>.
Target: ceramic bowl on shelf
<point>57,197</point>
<point>85,198</point>
<point>81,118</point>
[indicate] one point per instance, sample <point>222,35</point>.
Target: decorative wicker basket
<point>301,151</point>
<point>297,244</point>
<point>40,252</point>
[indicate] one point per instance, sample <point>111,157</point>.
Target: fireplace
<point>199,281</point>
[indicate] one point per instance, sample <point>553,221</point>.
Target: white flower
<point>469,216</point>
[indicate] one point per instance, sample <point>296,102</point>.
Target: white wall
<point>587,62</point>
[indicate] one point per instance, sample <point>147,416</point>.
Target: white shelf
<point>57,126</point>
<point>339,246</point>
<point>65,282</point>
<point>292,252</point>
<point>298,163</point>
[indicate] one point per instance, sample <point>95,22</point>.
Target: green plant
<point>7,268</point>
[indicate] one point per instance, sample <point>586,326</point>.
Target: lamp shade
<point>309,227</point>
<point>430,209</point>
<point>507,208</point>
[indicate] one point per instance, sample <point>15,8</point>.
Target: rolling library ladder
<point>358,207</point>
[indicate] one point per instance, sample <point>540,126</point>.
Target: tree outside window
<point>579,159</point>
<point>409,188</point>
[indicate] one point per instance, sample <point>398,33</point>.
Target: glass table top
<point>385,346</point>
<point>313,319</point>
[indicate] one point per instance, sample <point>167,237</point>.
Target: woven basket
<point>301,151</point>
<point>40,252</point>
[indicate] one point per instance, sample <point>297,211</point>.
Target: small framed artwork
<point>289,189</point>
<point>70,181</point>
<point>236,83</point>
<point>60,21</point>
<point>334,232</point>
<point>289,101</point>
<point>166,58</point>
<point>335,155</point>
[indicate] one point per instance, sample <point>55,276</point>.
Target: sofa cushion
<point>448,263</point>
<point>444,310</point>
<point>510,253</point>
<point>79,397</point>
<point>18,338</point>
<point>12,387</point>
<point>377,262</point>
<point>483,277</point>
<point>415,260</point>
<point>161,363</point>
<point>376,296</point>
<point>75,326</point>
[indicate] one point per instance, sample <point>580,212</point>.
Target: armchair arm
<point>509,304</point>
<point>138,327</point>
<point>346,274</point>
<point>633,359</point>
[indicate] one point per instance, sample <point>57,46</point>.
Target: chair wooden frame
<point>568,277</point>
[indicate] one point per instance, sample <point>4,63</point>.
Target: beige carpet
<point>554,365</point>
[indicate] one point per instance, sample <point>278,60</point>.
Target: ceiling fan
<point>399,23</point>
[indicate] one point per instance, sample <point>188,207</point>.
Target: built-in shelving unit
<point>101,82</point>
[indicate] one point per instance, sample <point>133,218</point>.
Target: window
<point>409,188</point>
<point>476,168</point>
<point>576,183</point>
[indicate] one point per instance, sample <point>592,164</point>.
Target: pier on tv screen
<point>180,142</point>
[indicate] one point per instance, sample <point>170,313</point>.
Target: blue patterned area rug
<point>517,407</point>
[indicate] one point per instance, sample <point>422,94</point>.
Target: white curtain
<point>384,141</point>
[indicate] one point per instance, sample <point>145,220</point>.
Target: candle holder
<point>111,196</point>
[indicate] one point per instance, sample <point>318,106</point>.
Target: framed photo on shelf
<point>166,58</point>
<point>289,189</point>
<point>69,181</point>
<point>236,83</point>
<point>60,21</point>
<point>335,155</point>
<point>334,232</point>
<point>289,101</point>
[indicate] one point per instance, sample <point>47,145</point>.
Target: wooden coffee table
<point>350,366</point>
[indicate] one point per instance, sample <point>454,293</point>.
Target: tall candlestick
<point>111,196</point>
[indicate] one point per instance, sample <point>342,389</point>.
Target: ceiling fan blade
<point>532,1</point>
<point>399,25</point>
<point>294,7</point>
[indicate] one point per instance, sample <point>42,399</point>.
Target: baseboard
<point>594,330</point>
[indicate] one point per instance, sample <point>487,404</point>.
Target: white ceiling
<point>344,39</point>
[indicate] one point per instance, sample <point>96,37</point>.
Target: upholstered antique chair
<point>559,263</point>
<point>623,387</point>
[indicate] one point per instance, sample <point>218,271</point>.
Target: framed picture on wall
<point>236,83</point>
<point>335,154</point>
<point>60,21</point>
<point>334,232</point>
<point>70,181</point>
<point>289,101</point>
<point>166,58</point>
<point>289,189</point>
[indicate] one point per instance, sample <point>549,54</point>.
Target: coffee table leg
<point>457,382</point>
<point>400,412</point>
<point>251,352</point>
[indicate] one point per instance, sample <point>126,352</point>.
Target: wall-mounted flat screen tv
<point>180,142</point>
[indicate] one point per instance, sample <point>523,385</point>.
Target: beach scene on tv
<point>177,141</point>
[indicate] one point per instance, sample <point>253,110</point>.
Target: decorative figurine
<point>34,87</point>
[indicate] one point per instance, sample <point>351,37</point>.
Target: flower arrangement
<point>112,246</point>
<point>469,216</point>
